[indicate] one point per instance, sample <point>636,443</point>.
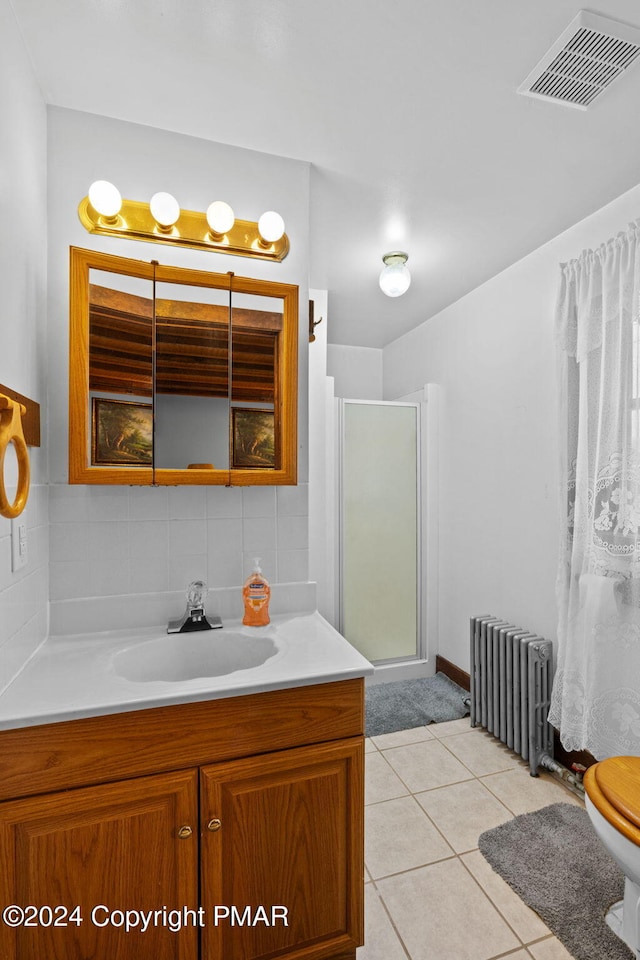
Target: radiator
<point>511,674</point>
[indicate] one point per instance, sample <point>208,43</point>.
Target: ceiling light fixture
<point>161,220</point>
<point>395,277</point>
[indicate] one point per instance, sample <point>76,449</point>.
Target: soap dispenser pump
<point>256,593</point>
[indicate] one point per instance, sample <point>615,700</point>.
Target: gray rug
<point>554,861</point>
<point>403,704</point>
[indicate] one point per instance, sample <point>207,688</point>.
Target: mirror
<point>180,376</point>
<point>192,377</point>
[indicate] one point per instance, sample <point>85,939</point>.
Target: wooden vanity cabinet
<point>211,821</point>
<point>111,846</point>
<point>286,839</point>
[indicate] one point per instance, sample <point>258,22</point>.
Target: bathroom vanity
<point>234,814</point>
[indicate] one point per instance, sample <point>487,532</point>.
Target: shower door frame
<point>421,655</point>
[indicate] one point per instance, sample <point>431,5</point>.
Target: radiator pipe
<point>550,764</point>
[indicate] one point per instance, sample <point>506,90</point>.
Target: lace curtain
<point>596,694</point>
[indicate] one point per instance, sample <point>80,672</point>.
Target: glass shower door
<point>380,542</point>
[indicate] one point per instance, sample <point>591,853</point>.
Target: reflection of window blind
<point>380,529</point>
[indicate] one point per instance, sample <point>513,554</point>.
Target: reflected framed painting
<point>121,433</point>
<point>252,438</point>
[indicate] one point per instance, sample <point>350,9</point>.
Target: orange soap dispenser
<point>256,593</point>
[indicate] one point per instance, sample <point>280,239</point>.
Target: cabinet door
<point>115,847</point>
<point>284,831</point>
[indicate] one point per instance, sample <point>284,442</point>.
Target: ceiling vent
<point>585,59</point>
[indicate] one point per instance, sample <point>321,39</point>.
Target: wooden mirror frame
<point>286,365</point>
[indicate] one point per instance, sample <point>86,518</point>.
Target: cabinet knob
<point>185,832</point>
<point>214,825</point>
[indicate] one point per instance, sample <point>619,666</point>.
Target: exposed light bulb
<point>271,227</point>
<point>220,217</point>
<point>395,277</point>
<point>165,209</point>
<point>105,198</point>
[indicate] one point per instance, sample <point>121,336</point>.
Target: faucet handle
<point>196,593</point>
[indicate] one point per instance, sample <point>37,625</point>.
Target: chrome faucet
<point>195,618</point>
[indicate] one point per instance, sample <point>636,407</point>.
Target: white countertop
<point>76,676</point>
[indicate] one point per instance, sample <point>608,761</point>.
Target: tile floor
<point>429,893</point>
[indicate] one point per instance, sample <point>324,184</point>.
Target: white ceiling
<point>407,110</point>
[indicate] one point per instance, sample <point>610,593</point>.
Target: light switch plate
<point>19,546</point>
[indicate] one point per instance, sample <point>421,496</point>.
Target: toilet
<point>612,797</point>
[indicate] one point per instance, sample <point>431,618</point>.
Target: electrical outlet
<point>19,551</point>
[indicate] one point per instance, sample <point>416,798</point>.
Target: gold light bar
<point>135,222</point>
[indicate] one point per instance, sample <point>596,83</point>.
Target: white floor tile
<point>524,921</point>
<point>441,914</point>
<point>381,940</point>
<point>381,783</point>
<point>423,766</point>
<point>481,752</point>
<point>399,836</point>
<point>463,811</point>
<point>431,895</point>
<point>402,737</point>
<point>550,950</point>
<point>522,793</point>
<point>450,727</point>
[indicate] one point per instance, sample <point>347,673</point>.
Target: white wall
<point>112,541</point>
<point>23,595</point>
<point>357,371</point>
<point>493,356</point>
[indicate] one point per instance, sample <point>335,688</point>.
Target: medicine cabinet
<point>180,376</point>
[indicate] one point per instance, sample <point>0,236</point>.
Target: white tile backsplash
<point>68,504</point>
<point>6,577</point>
<point>259,536</point>
<point>68,579</point>
<point>187,503</point>
<point>184,569</point>
<point>225,569</point>
<point>224,535</point>
<point>24,595</point>
<point>293,533</point>
<point>80,615</point>
<point>258,502</point>
<point>105,551</point>
<point>107,577</point>
<point>69,541</point>
<point>149,540</point>
<point>224,501</point>
<point>293,501</point>
<point>293,565</point>
<point>108,540</point>
<point>108,503</point>
<point>187,538</point>
<point>149,574</point>
<point>148,503</point>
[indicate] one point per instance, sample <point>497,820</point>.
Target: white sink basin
<point>187,656</point>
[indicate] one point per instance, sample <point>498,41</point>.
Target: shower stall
<point>381,567</point>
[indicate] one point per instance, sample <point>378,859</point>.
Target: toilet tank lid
<point>619,780</point>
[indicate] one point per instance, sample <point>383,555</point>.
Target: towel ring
<point>11,413</point>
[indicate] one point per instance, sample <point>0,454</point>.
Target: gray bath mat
<point>403,704</point>
<point>554,861</point>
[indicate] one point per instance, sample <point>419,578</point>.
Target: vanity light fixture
<point>165,210</point>
<point>105,200</point>
<point>395,277</point>
<point>270,227</point>
<point>221,218</point>
<point>104,211</point>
